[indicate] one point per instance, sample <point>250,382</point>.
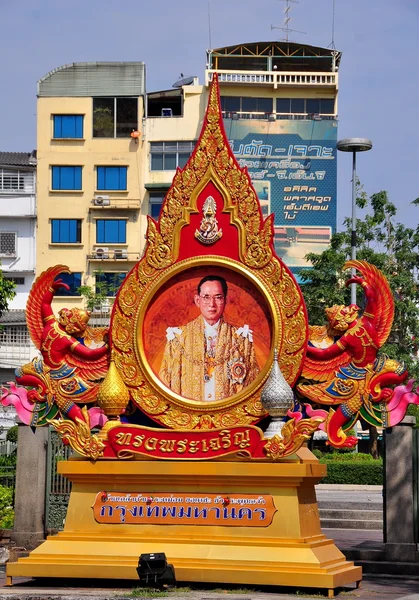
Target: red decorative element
<point>166,444</point>
<point>149,500</point>
<point>227,245</point>
<point>349,371</point>
<point>104,497</point>
<point>226,500</point>
<point>69,369</point>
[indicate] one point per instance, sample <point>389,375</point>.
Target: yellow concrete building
<point>97,184</point>
<point>91,182</point>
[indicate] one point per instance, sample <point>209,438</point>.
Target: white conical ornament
<point>277,398</point>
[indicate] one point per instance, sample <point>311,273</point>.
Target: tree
<point>7,292</point>
<point>11,435</point>
<point>97,297</point>
<point>390,246</point>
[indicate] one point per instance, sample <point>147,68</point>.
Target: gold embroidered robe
<point>183,364</point>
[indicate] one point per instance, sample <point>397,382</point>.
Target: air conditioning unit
<point>101,201</point>
<point>102,253</point>
<point>166,112</point>
<point>119,254</point>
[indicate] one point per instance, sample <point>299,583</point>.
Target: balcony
<point>102,253</point>
<point>101,201</point>
<point>17,206</point>
<point>275,79</point>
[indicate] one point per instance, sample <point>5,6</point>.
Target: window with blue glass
<point>111,178</point>
<point>66,178</point>
<point>108,284</point>
<point>68,126</point>
<point>111,231</point>
<point>155,203</point>
<point>66,231</point>
<point>73,280</point>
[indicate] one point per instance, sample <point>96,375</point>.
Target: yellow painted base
<point>292,551</point>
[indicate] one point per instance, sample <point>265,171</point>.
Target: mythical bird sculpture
<point>75,357</point>
<point>349,372</point>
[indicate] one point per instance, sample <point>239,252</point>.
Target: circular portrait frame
<point>138,337</point>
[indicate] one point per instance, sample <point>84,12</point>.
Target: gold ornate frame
<point>212,162</point>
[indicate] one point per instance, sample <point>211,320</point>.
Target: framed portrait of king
<point>206,334</point>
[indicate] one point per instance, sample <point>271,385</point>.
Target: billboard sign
<point>292,164</point>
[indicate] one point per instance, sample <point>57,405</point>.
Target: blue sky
<point>379,74</point>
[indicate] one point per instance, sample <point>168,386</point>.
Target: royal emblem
<point>236,370</point>
<point>208,233</point>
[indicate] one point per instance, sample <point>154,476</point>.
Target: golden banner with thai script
<point>165,508</point>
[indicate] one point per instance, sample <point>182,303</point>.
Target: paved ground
<point>363,494</point>
<point>371,588</point>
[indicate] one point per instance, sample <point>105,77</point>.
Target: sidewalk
<point>371,588</point>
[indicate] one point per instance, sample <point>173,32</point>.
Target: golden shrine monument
<point>208,337</point>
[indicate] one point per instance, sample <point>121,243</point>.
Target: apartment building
<point>17,254</point>
<point>91,207</point>
<point>279,102</point>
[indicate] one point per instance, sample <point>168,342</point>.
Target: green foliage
<point>11,435</point>
<point>6,508</point>
<point>413,411</point>
<point>8,460</point>
<point>355,473</point>
<point>96,297</point>
<point>390,246</point>
<point>353,457</point>
<point>7,292</point>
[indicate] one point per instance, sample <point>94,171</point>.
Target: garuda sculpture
<point>74,357</point>
<point>349,373</point>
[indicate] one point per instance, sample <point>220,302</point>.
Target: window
<point>111,178</point>
<point>327,106</point>
<point>66,231</point>
<point>249,107</point>
<point>310,106</point>
<point>66,178</point>
<point>8,243</point>
<point>14,335</point>
<point>111,231</point>
<point>155,204</point>
<point>108,284</point>
<point>73,280</point>
<point>114,117</point>
<point>16,181</point>
<point>166,156</point>
<point>16,280</point>
<point>68,126</point>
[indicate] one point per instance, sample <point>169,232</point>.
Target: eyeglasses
<point>219,298</point>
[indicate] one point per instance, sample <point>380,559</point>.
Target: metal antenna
<point>332,44</point>
<point>287,20</point>
<point>209,24</point>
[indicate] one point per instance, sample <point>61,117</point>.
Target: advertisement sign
<point>292,164</point>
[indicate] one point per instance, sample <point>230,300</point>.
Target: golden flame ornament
<point>113,395</point>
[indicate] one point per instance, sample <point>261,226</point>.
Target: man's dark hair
<point>221,280</point>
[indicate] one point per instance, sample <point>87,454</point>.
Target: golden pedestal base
<point>291,551</point>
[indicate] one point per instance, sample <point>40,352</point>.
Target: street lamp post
<point>354,145</point>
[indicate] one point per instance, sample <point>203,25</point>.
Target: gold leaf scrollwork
<point>77,433</point>
<point>294,435</point>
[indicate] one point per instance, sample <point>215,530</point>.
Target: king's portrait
<point>207,335</point>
